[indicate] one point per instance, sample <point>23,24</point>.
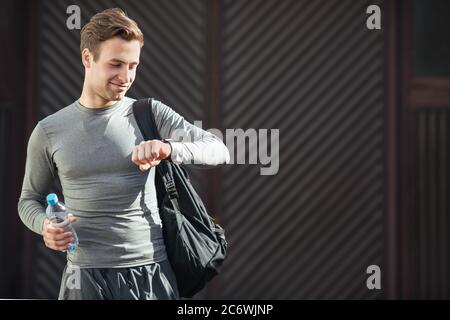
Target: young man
<point>95,150</point>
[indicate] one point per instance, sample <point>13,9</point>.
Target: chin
<point>117,95</point>
<point>120,95</point>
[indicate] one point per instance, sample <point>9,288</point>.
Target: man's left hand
<point>150,153</point>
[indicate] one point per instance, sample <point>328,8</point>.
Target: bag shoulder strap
<point>143,112</point>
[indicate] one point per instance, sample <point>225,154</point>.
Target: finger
<point>60,243</point>
<point>57,246</point>
<point>134,155</point>
<point>155,150</point>
<point>72,218</point>
<point>144,167</point>
<point>54,230</point>
<point>63,236</point>
<point>148,165</point>
<point>141,154</point>
<point>166,150</point>
<point>154,163</point>
<point>63,247</point>
<point>148,152</point>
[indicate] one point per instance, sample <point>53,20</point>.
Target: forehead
<point>120,49</point>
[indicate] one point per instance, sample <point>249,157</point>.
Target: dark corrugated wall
<point>430,219</point>
<point>5,144</point>
<point>308,68</point>
<point>311,69</point>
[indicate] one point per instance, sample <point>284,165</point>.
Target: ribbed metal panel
<point>172,69</point>
<point>5,144</point>
<point>6,22</point>
<point>5,132</point>
<point>47,272</point>
<point>314,71</point>
<point>431,220</point>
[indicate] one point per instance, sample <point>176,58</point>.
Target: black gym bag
<point>195,244</point>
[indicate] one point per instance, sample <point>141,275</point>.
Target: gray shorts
<point>155,281</point>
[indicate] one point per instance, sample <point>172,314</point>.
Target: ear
<point>86,58</point>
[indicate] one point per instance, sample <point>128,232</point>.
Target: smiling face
<point>109,77</point>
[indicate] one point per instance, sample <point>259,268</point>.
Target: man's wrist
<point>167,141</point>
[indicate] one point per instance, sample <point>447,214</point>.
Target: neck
<point>91,99</point>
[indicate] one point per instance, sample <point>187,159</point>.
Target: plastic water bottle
<point>57,214</point>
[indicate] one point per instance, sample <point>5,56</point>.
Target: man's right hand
<point>57,238</point>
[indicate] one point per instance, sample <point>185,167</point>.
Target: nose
<point>125,74</point>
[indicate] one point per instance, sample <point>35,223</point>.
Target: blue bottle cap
<point>52,199</point>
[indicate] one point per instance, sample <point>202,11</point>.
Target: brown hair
<point>106,25</point>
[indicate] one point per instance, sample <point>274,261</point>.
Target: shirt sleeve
<point>38,180</point>
<point>190,144</point>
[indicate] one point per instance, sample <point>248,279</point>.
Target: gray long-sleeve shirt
<point>89,152</point>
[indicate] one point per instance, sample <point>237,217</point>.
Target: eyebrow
<point>118,60</point>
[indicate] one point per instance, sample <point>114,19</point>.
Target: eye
<point>115,65</point>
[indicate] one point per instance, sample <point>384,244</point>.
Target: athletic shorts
<point>154,281</point>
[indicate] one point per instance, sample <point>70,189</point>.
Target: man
<point>95,150</point>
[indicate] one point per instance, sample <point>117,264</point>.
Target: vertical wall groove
<point>431,222</point>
